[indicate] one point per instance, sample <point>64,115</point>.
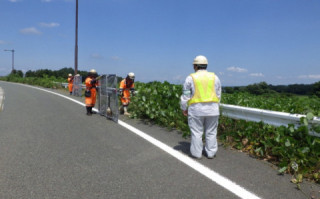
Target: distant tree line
<point>62,73</point>
<point>264,88</point>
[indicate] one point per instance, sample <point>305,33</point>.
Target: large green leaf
<point>287,143</point>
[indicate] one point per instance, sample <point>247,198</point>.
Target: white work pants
<point>199,125</point>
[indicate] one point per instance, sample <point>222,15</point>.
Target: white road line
<point>209,173</point>
<point>1,99</point>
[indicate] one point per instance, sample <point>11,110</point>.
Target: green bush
<point>45,81</point>
<point>159,102</point>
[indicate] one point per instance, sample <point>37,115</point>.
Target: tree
<point>316,88</point>
<point>228,89</point>
<point>30,73</point>
<point>18,73</point>
<point>258,89</point>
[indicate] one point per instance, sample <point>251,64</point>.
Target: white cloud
<point>96,56</point>
<point>178,78</point>
<point>30,31</point>
<point>309,77</point>
<point>314,76</point>
<point>115,58</point>
<point>237,69</point>
<point>49,25</point>
<point>256,75</point>
<point>14,1</point>
<point>2,42</point>
<point>47,1</point>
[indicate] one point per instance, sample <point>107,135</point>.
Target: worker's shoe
<point>194,157</point>
<point>89,113</point>
<point>121,110</point>
<point>211,157</point>
<point>127,114</point>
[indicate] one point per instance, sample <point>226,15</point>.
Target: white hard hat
<point>70,74</point>
<point>131,75</point>
<point>93,71</point>
<point>201,60</point>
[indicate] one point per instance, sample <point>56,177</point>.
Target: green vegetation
<point>276,102</point>
<point>159,103</point>
<point>45,78</point>
<point>293,150</point>
<point>264,88</point>
<point>45,81</point>
<point>34,77</point>
<point>59,74</point>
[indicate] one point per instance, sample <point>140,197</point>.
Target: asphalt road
<point>49,148</point>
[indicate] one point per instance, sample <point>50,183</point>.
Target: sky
<point>245,41</point>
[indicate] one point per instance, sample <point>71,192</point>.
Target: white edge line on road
<point>1,99</point>
<point>212,175</point>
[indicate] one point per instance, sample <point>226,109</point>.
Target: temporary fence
<point>108,97</point>
<point>77,86</point>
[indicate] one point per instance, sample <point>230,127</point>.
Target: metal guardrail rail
<point>274,118</point>
<point>65,85</point>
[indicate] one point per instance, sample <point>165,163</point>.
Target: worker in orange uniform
<point>70,83</point>
<point>90,92</point>
<point>126,87</point>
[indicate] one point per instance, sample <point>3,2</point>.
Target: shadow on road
<point>184,147</point>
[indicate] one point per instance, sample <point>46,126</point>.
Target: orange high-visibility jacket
<point>125,98</point>
<point>70,85</point>
<point>90,101</point>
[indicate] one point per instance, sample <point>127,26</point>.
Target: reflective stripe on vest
<point>204,88</point>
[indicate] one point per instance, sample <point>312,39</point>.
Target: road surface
<point>50,148</point>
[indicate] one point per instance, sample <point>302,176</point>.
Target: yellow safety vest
<point>204,88</point>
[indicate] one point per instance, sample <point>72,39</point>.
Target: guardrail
<point>65,85</point>
<point>274,118</point>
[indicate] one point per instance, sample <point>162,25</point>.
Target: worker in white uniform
<point>200,102</point>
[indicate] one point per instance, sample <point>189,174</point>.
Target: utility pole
<point>76,43</point>
<point>12,51</point>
